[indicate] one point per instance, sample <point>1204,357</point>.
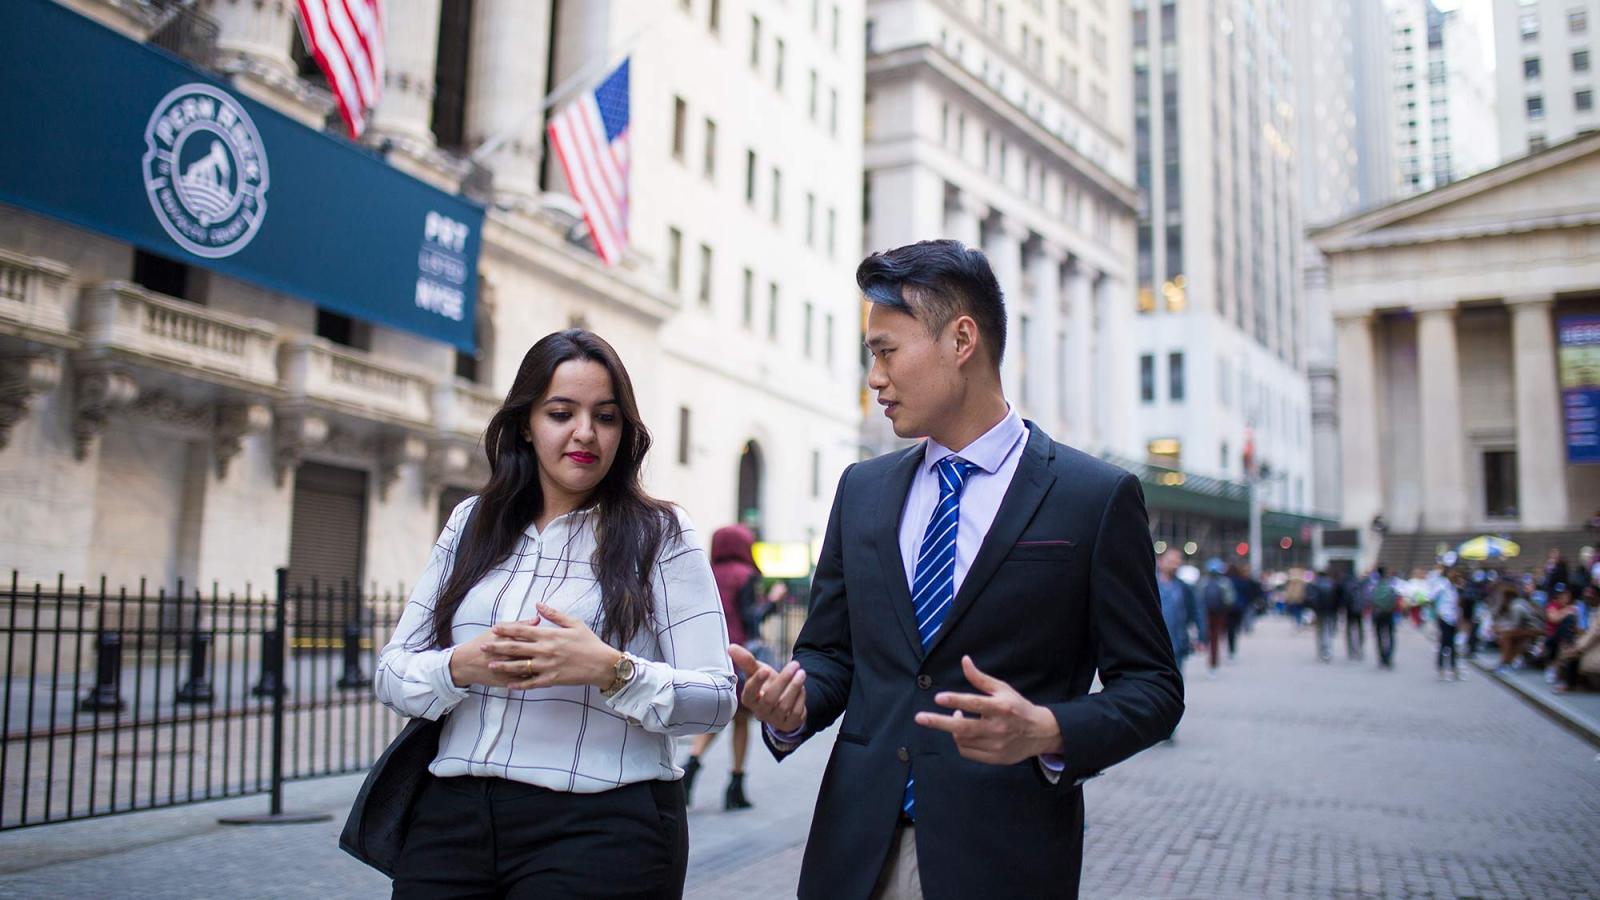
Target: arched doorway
<point>751,470</point>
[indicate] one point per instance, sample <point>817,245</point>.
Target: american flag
<point>590,137</point>
<point>346,39</point>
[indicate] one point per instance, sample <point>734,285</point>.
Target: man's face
<point>915,374</point>
<point>1169,563</point>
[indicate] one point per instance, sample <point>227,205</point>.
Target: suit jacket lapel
<point>1029,484</point>
<point>890,504</point>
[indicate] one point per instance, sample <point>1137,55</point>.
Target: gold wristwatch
<point>622,672</point>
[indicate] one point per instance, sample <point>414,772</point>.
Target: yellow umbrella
<point>1487,546</point>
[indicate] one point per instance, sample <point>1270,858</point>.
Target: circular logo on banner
<point>205,171</point>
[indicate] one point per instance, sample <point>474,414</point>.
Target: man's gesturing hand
<point>998,726</point>
<point>776,698</point>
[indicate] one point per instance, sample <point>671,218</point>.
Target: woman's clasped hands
<point>548,650</point>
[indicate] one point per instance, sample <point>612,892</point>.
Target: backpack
<point>1213,597</point>
<point>1384,598</point>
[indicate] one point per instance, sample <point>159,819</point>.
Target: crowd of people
<point>1541,618</point>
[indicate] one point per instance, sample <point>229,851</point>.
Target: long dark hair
<point>632,525</point>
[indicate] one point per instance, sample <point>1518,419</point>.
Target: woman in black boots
<point>739,582</point>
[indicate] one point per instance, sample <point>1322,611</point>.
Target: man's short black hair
<point>936,281</point>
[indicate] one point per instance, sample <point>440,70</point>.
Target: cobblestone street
<point>1288,778</point>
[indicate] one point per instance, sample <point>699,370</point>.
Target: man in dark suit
<point>969,589</point>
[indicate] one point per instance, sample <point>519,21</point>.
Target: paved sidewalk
<point>1579,711</point>
<point>1289,777</point>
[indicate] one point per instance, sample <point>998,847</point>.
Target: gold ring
<point>530,668</point>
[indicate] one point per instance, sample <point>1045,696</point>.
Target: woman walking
<point>568,627</point>
<point>733,563</point>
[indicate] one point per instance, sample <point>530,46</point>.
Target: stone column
<point>963,219</point>
<point>1003,245</point>
<point>1044,365</point>
<point>1541,439</point>
<point>256,33</point>
<point>1361,415</point>
<point>506,88</point>
<point>1118,387</point>
<point>905,202</point>
<point>1444,499</point>
<point>1079,365</point>
<point>411,45</point>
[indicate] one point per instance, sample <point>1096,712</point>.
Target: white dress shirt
<point>569,738</point>
<point>996,454</point>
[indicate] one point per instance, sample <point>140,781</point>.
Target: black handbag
<point>376,828</point>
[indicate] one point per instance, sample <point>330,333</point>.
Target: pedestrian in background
<point>1294,596</point>
<point>1218,599</point>
<point>1445,596</point>
<point>1356,598</point>
<point>541,629</point>
<point>1323,596</point>
<point>1517,623</point>
<point>1186,625</point>
<point>1555,571</point>
<point>733,564</point>
<point>1385,605</point>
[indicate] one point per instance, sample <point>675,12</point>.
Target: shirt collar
<point>988,451</point>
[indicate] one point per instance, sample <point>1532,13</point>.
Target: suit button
<point>903,754</point>
<point>924,682</point>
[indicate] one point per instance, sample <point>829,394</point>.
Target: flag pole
<point>560,92</point>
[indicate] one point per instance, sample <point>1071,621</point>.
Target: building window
<point>1222,456</point>
<point>710,167</point>
<point>747,308</point>
<point>1500,483</point>
<point>343,330</point>
<point>805,339</point>
<point>777,71</point>
<point>674,258</point>
<point>714,17</point>
<point>755,42</point>
<point>827,339</point>
<point>777,196</point>
<point>833,221</point>
<point>1580,60</point>
<point>1535,107</point>
<point>451,64</point>
<point>833,112</point>
<point>1577,20</point>
<point>1530,68</point>
<point>1583,100</point>
<point>1529,23</point>
<point>683,435</point>
<point>1175,376</point>
<point>1536,142</point>
<point>705,275</point>
<point>680,128</point>
<point>772,311</point>
<point>834,39</point>
<point>750,177</point>
<point>1147,378</point>
<point>811,95</point>
<point>811,219</point>
<point>162,275</point>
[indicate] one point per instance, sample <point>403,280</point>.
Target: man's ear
<point>964,330</point>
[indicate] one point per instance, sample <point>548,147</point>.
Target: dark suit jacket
<point>1063,585</point>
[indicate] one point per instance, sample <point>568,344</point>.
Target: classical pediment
<point>1558,187</point>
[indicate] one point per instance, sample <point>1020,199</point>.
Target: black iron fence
<point>119,700</point>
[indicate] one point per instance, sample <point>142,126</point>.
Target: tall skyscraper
<point>1547,51</point>
<point>1220,337</point>
<point>1444,96</point>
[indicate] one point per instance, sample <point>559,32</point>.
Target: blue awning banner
<point>131,142</point>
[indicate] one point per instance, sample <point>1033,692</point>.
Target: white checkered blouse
<point>567,738</point>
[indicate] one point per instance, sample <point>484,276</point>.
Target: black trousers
<point>489,837</point>
<point>1355,633</point>
<point>1447,645</point>
<point>1383,633</point>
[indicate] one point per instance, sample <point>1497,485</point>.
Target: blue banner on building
<point>130,142</point>
<point>1580,386</point>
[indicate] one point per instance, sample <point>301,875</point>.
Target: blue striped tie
<point>933,587</point>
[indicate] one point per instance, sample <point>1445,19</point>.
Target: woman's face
<point>575,429</point>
